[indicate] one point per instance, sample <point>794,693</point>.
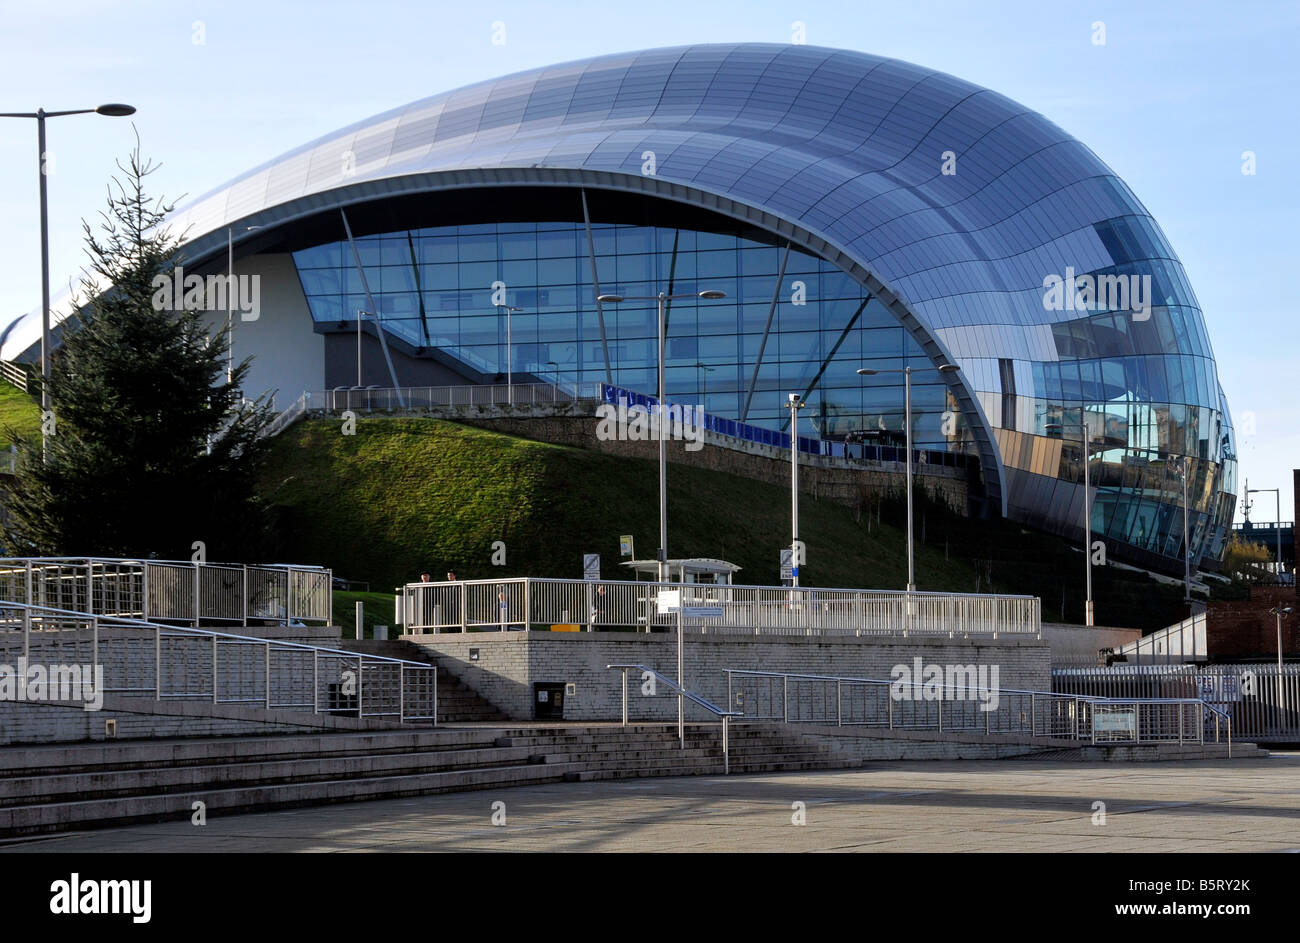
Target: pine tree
<point>153,448</point>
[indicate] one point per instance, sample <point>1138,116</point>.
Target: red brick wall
<point>1246,629</point>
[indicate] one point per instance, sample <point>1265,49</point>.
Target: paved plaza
<point>1020,805</point>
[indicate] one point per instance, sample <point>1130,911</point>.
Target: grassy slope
<point>404,495</point>
<point>18,412</point>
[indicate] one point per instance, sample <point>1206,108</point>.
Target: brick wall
<point>1246,628</point>
<point>509,663</point>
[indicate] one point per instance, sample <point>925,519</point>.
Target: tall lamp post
<point>795,405</point>
<point>510,376</point>
<point>1085,453</point>
<point>1281,612</point>
<point>1178,464</point>
<point>662,298</point>
<point>907,425</point>
<point>40,114</point>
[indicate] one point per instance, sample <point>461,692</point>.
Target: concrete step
<point>26,790</point>
<point>46,817</point>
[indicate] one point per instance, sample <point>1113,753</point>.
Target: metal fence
<point>513,604</point>
<point>170,591</point>
<point>14,373</point>
<point>957,704</point>
<point>143,659</point>
<point>1264,703</point>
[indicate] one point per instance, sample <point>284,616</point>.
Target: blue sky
<point>1171,101</point>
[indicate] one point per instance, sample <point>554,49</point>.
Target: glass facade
<point>435,289</point>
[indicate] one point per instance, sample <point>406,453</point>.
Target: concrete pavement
<point>1001,805</point>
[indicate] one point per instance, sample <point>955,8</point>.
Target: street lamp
<point>907,424</point>
<point>1281,612</point>
<point>1178,464</point>
<point>795,405</point>
<point>40,114</point>
<point>510,381</point>
<point>662,298</point>
<point>1085,446</point>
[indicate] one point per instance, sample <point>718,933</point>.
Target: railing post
<point>889,699</point>
<point>94,643</point>
<point>464,604</point>
<point>157,662</point>
<point>435,695</point>
<point>196,595</point>
<point>361,663</point>
<point>268,674</point>
<point>144,592</point>
<point>726,752</point>
<point>214,668</point>
<point>731,701</point>
<point>401,694</point>
<point>624,697</point>
<point>1033,716</point>
<point>785,697</point>
<point>27,633</point>
<point>839,709</point>
<point>1181,708</point>
<point>528,604</point>
<point>315,680</point>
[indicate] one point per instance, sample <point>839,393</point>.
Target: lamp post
<point>111,111</point>
<point>510,377</point>
<point>702,372</point>
<point>662,298</point>
<point>230,299</point>
<point>1086,454</point>
<point>1178,463</point>
<point>795,405</point>
<point>907,425</point>
<point>1281,612</point>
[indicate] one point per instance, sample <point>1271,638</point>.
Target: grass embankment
<point>20,415</point>
<point>405,495</point>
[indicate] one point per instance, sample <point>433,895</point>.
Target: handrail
<point>916,593</point>
<point>1092,701</point>
<point>96,622</point>
<point>724,715</point>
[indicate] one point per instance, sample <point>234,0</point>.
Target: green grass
<point>378,611</point>
<point>406,495</point>
<point>19,414</point>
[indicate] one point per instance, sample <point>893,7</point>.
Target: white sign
<point>669,601</point>
<point>591,566</point>
<point>1115,721</point>
<point>703,612</point>
<point>787,563</point>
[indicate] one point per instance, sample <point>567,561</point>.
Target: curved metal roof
<point>841,151</point>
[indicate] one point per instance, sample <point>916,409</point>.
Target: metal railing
<point>526,602</point>
<point>170,590</point>
<point>673,688</point>
<point>1264,703</point>
<point>953,704</point>
<point>388,399</point>
<point>14,373</point>
<point>284,420</point>
<point>1183,641</point>
<point>147,659</point>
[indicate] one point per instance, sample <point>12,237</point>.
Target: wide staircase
<point>45,789</point>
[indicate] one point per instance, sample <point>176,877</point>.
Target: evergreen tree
<point>153,448</point>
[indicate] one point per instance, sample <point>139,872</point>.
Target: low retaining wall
<point>502,667</point>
